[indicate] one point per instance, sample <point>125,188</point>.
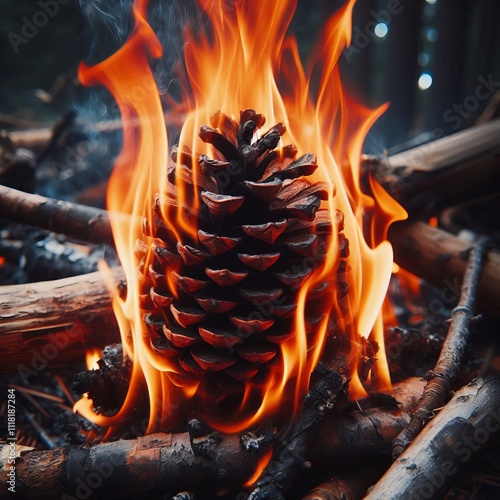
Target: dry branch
<point>466,426</point>
<point>51,323</point>
<point>123,469</point>
<point>77,221</point>
<point>34,139</point>
<point>444,172</point>
<point>441,259</point>
<point>440,380</point>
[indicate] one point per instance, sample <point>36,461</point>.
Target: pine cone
<point>221,305</point>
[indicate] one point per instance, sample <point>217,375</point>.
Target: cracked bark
<point>464,429</point>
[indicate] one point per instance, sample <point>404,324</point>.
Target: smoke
<point>107,25</point>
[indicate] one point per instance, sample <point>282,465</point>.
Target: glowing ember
<point>246,63</point>
<point>92,356</point>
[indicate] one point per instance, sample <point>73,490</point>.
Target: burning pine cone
<point>220,304</point>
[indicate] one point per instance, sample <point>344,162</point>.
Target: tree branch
<point>427,252</point>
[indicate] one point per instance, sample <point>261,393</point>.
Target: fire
<point>92,356</point>
<point>247,61</point>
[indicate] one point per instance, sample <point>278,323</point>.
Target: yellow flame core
<point>247,62</point>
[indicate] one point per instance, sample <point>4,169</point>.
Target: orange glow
<point>409,282</point>
<point>261,465</point>
<point>246,62</point>
<point>433,222</point>
<point>92,356</point>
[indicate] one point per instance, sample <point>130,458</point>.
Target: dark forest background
<point>456,42</point>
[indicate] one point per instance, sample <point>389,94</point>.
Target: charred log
<point>291,455</point>
<point>108,385</point>
<point>122,469</point>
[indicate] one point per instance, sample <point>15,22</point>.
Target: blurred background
<point>436,61</point>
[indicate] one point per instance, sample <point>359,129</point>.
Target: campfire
<point>266,327</point>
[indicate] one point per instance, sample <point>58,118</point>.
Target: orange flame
<point>261,465</point>
<point>246,62</point>
<point>92,356</point>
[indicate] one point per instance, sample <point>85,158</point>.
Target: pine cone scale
<point>225,303</point>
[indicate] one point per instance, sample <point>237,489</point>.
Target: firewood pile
<point>438,433</point>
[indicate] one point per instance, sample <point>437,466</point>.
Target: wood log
<point>158,463</point>
<point>465,162</point>
<point>441,259</point>
<point>289,457</point>
<point>456,437</point>
<point>124,469</point>
<point>49,324</point>
<point>443,172</point>
<point>77,221</point>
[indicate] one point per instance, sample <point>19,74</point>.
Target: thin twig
<point>42,435</point>
<point>440,380</point>
<point>39,394</point>
<point>36,404</point>
<point>65,389</point>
